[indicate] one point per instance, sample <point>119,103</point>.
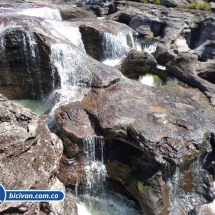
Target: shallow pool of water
<point>39,107</point>
<point>150,80</point>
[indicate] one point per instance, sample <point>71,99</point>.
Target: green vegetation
<point>155,1</point>
<point>205,6</point>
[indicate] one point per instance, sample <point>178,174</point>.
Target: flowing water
<point>106,202</point>
<point>115,47</point>
<point>145,46</point>
<point>73,77</point>
<point>98,199</point>
<point>149,79</point>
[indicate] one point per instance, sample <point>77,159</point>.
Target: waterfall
<point>32,58</point>
<point>142,45</point>
<point>114,47</point>
<point>94,165</point>
<point>3,58</point>
<point>68,33</point>
<point>74,78</point>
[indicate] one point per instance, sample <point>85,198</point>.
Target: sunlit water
<point>106,202</point>
<point>110,62</point>
<point>115,47</point>
<point>39,107</point>
<point>142,45</point>
<point>150,80</point>
<point>161,67</point>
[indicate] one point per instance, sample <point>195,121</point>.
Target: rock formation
<point>180,33</point>
<point>177,136</point>
<point>29,158</point>
<point>159,142</point>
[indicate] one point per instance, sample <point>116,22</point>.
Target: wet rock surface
<point>26,62</point>
<point>159,142</point>
<point>175,137</point>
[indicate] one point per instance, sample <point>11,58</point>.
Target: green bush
<point>144,1</point>
<point>157,1</point>
<point>205,6</point>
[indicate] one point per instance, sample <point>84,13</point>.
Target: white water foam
<point>114,48</point>
<point>94,166</point>
<point>73,76</point>
<point>161,67</point>
<point>43,12</point>
<point>150,80</point>
<point>149,47</point>
<point>106,202</point>
<point>82,209</point>
<point>68,33</point>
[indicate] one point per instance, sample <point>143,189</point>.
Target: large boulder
<point>138,63</point>
<point>25,62</point>
<point>71,12</point>
<point>170,127</point>
<point>29,158</point>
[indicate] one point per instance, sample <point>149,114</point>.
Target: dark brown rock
<point>71,171</point>
<point>171,127</point>
<point>71,12</point>
<point>25,64</point>
<point>185,66</point>
<point>138,63</point>
<point>93,32</point>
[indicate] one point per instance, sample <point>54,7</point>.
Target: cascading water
<point>73,78</point>
<point>68,33</point>
<point>32,9</point>
<point>94,164</point>
<point>97,199</point>
<point>142,45</point>
<point>43,12</point>
<point>149,79</point>
<point>115,47</point>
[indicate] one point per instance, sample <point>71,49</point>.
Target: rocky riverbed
<point>156,143</point>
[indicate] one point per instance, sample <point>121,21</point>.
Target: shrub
<point>157,1</point>
<point>144,1</point>
<point>205,6</point>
